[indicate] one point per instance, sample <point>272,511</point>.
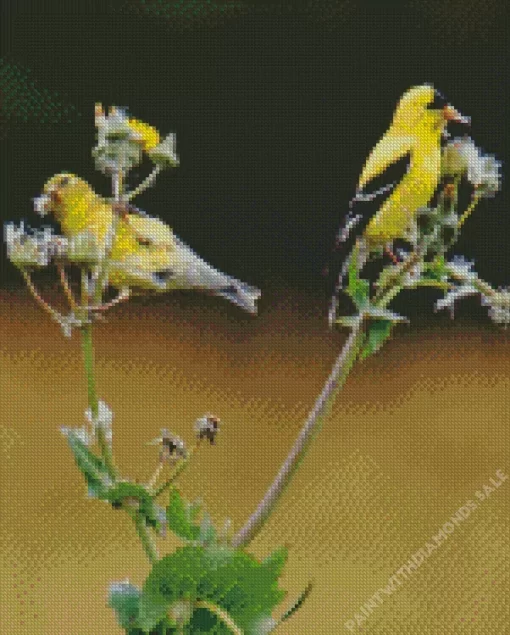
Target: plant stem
<point>42,303</point>
<point>335,381</point>
<point>182,465</point>
<point>147,182</point>
<point>386,293</point>
<point>476,199</point>
<point>102,274</point>
<point>221,614</point>
<point>144,535</point>
<point>88,361</point>
<point>64,280</point>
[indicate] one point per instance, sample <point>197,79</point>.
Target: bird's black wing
<point>362,208</point>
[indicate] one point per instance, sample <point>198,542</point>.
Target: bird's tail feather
<point>201,275</point>
<point>241,294</point>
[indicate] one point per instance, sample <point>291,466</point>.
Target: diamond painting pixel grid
<point>275,107</point>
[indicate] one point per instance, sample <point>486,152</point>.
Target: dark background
<point>275,106</point>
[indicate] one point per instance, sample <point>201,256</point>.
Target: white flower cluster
<point>118,145</point>
<point>87,434</point>
<point>499,306</point>
<point>32,248</point>
<point>165,153</point>
<point>103,420</point>
<point>483,171</point>
<point>466,283</point>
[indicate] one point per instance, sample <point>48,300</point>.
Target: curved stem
<point>42,303</point>
<point>182,465</point>
<point>335,381</point>
<point>147,182</point>
<point>221,614</point>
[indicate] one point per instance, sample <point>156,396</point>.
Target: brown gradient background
<point>275,106</point>
<point>416,431</point>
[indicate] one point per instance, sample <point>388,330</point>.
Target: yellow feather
<point>388,150</point>
<point>416,129</point>
<point>145,253</point>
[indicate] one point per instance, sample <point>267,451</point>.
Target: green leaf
<point>137,495</point>
<point>357,289</point>
<point>276,561</point>
<point>349,321</point>
<point>92,467</point>
<point>378,332</point>
<point>387,276</point>
<point>240,585</point>
<point>297,604</point>
<point>124,598</point>
<point>207,532</point>
<point>435,270</point>
<point>180,517</point>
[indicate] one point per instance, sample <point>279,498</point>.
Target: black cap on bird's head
<point>438,103</point>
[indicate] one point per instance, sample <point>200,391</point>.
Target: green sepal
<point>378,332</point>
<point>349,321</point>
<point>358,289</point>
<point>435,270</point>
<point>182,518</point>
<point>387,277</point>
<point>379,313</point>
<point>120,493</point>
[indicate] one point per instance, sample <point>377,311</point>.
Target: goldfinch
<point>145,253</point>
<point>416,132</point>
<point>417,128</point>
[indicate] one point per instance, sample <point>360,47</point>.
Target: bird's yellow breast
<point>84,210</point>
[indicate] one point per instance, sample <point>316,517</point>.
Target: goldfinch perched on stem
<point>145,253</point>
<point>418,124</point>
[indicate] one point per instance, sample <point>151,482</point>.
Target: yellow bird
<point>418,124</point>
<point>145,253</point>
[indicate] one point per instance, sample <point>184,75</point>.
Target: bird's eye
<point>143,242</point>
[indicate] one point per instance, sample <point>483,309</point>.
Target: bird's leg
<point>394,259</point>
<point>121,208</point>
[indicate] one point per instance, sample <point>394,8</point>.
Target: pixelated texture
<point>404,448</point>
<point>24,100</point>
<point>275,106</point>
